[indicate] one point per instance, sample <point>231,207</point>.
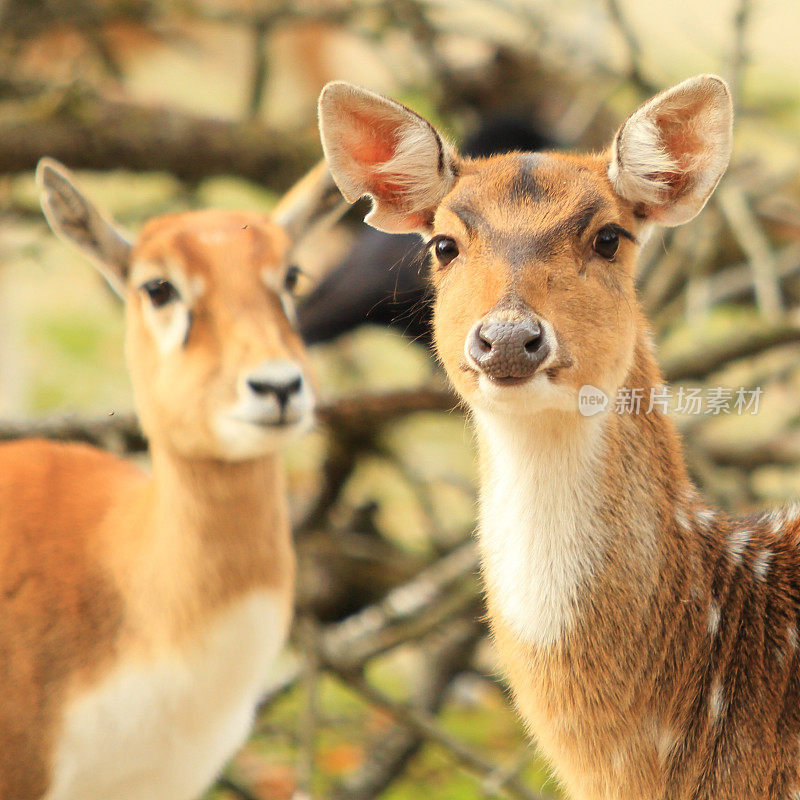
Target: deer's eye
<point>293,274</point>
<point>606,243</point>
<point>445,249</point>
<point>160,292</point>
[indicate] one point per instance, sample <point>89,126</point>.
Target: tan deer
<point>140,613</point>
<point>651,641</point>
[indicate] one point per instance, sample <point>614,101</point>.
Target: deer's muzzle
<point>508,350</point>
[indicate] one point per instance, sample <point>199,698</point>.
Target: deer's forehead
<point>216,247</point>
<point>532,186</point>
<point>527,206</point>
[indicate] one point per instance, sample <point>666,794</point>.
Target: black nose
<point>506,349</point>
<point>283,389</point>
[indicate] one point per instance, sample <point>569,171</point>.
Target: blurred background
<point>390,688</point>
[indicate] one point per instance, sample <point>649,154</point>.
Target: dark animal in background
<point>383,279</point>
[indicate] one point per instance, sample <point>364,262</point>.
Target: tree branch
<point>87,131</point>
<point>703,363</point>
<point>427,726</point>
<point>121,432</point>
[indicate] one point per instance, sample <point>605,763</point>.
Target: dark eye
<point>445,249</point>
<point>160,292</point>
<point>606,243</point>
<point>293,274</point>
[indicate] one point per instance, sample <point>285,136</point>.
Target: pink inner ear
<point>374,142</point>
<point>684,141</point>
<point>374,139</point>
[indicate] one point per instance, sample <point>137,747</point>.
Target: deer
<point>140,612</point>
<point>650,641</point>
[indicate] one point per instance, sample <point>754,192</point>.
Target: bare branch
<point>87,131</point>
<point>746,229</point>
<point>700,364</point>
<point>739,55</point>
<point>636,71</point>
<point>445,656</point>
<point>426,726</point>
<point>121,432</point>
<point>428,598</point>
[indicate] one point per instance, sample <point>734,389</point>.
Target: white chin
<point>241,439</point>
<point>540,393</point>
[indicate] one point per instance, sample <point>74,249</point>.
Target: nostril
<point>483,343</point>
<point>260,387</point>
<point>534,343</point>
<point>294,386</point>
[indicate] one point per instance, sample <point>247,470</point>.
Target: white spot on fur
<point>619,757</point>
<point>170,323</point>
<point>164,726</point>
<point>716,700</point>
<point>791,636</point>
<point>705,516</point>
<point>682,519</point>
<point>737,544</point>
<point>761,564</point>
<point>713,617</point>
<point>666,740</point>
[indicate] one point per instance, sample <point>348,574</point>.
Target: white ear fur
<point>377,147</point>
<point>670,154</point>
<point>76,220</point>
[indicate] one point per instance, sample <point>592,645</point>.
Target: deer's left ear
<point>377,147</point>
<point>668,157</point>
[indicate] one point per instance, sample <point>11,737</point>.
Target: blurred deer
<point>651,641</point>
<point>140,614</point>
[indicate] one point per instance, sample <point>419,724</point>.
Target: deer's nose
<point>508,349</point>
<point>282,380</point>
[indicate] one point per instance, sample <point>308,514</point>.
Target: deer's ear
<point>377,147</point>
<point>312,202</point>
<point>670,154</point>
<point>76,220</point>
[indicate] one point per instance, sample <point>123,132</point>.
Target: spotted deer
<point>650,640</point>
<point>140,613</point>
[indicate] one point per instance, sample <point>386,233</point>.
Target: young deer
<point>139,614</point>
<point>651,642</point>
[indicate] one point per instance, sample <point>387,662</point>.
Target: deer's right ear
<point>76,220</point>
<point>377,147</point>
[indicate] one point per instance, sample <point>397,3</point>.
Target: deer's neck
<point>208,533</point>
<point>570,504</point>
